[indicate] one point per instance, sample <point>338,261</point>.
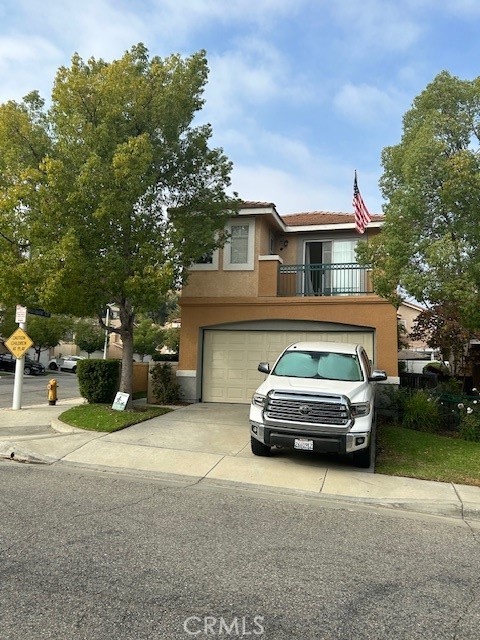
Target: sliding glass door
<point>322,276</point>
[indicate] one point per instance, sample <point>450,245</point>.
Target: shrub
<point>98,380</point>
<point>420,412</point>
<point>166,389</point>
<point>452,386</point>
<point>390,400</point>
<point>469,427</point>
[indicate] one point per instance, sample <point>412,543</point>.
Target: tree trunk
<point>126,333</point>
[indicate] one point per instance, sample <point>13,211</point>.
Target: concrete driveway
<point>210,441</point>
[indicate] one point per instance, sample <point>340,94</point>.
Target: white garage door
<point>230,358</point>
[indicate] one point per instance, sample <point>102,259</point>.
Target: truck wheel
<point>363,457</point>
<point>258,448</point>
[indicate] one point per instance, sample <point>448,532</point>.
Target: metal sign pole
<point>18,382</point>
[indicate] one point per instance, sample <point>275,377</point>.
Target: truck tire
<point>258,448</point>
<point>363,457</point>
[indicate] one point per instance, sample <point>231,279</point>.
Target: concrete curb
<point>18,453</point>
<point>434,508</point>
<point>61,427</point>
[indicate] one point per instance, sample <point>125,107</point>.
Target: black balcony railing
<point>323,280</point>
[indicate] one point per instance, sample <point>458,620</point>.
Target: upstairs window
<point>239,249</point>
<point>207,258</point>
<point>207,262</point>
<point>239,244</point>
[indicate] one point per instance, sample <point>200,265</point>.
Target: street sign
<point>20,314</point>
<point>18,343</point>
<point>39,312</point>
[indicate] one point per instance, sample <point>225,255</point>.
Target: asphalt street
<point>35,387</point>
<point>100,556</point>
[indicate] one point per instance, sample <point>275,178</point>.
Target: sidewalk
<point>211,443</point>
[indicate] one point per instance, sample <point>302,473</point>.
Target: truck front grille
<point>312,409</point>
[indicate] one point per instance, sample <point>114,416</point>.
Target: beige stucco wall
<point>245,283</point>
<point>216,297</point>
<point>221,283</point>
<point>364,311</point>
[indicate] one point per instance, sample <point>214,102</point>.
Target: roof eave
<point>330,227</point>
<point>269,211</point>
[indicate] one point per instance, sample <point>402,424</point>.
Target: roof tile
<point>322,217</point>
<point>251,204</point>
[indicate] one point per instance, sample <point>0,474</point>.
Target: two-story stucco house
<point>278,279</point>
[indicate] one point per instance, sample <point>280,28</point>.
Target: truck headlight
<point>360,409</point>
<point>258,400</point>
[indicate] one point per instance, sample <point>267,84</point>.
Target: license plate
<point>303,444</point>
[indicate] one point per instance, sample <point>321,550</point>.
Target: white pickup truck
<point>319,396</point>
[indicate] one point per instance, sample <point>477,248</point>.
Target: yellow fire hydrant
<point>52,391</point>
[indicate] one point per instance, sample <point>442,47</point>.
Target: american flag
<point>362,215</point>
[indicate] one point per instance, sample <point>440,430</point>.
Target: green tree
<point>148,336</point>
<point>89,336</point>
<point>168,309</point>
<point>171,339</point>
<point>109,195</point>
<point>429,246</point>
<point>442,328</point>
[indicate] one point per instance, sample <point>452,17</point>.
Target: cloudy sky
<point>301,92</point>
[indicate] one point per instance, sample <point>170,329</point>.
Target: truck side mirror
<point>377,376</point>
<point>264,367</point>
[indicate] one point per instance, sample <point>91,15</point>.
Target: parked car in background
<point>67,363</point>
<point>30,367</point>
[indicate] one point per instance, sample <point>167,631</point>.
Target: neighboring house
<point>278,280</point>
<point>407,313</point>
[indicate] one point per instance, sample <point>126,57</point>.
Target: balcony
<point>323,280</point>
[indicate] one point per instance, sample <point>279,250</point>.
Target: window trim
<point>227,253</point>
<point>207,266</point>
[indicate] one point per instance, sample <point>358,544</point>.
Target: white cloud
<point>186,16</point>
<point>22,50</point>
<point>98,28</point>
<point>368,104</point>
<point>297,179</point>
<point>377,24</point>
<point>29,60</point>
<point>241,77</point>
<point>252,75</point>
<point>25,64</point>
<point>461,8</point>
<point>293,192</point>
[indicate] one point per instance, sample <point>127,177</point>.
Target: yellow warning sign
<point>18,343</point>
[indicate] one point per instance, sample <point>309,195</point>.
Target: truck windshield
<point>314,364</point>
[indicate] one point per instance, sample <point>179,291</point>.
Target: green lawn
<point>101,417</point>
<point>404,452</point>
